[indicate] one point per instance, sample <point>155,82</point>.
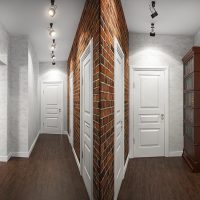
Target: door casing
<point>42,103</point>
<point>88,48</point>
<point>71,109</point>
<point>117,46</point>
<point>131,105</point>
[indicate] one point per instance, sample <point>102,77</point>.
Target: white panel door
<point>119,118</point>
<point>71,109</point>
<point>87,118</point>
<point>51,107</point>
<point>149,115</point>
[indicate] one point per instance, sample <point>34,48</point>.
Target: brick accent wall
<point>89,27</point>
<point>101,20</point>
<point>113,24</point>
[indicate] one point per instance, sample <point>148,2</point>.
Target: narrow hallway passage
<point>50,173</point>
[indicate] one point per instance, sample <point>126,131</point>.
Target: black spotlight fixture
<point>52,9</point>
<point>53,46</point>
<point>54,63</point>
<point>52,32</point>
<point>152,33</point>
<point>152,8</point>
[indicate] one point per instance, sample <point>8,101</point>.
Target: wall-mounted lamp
<point>52,32</point>
<point>53,46</point>
<point>152,33</point>
<point>152,8</point>
<point>52,9</point>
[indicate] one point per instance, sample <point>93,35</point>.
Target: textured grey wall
<point>4,46</point>
<point>33,78</point>
<point>18,93</point>
<point>197,39</point>
<point>165,50</point>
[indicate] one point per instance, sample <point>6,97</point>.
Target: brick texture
<point>101,20</point>
<point>112,24</point>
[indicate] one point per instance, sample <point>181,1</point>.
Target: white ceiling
<point>31,17</point>
<point>175,16</point>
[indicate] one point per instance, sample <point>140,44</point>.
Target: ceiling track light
<point>152,33</point>
<point>53,55</point>
<point>152,8</point>
<point>52,32</point>
<point>53,46</point>
<point>52,9</point>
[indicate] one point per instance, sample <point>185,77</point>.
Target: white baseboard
<point>5,158</point>
<point>26,154</point>
<point>65,133</point>
<point>33,145</point>
<point>76,158</point>
<point>20,154</point>
<point>175,153</point>
<point>126,164</point>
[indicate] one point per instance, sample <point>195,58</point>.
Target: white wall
<point>165,50</point>
<point>197,39</point>
<point>48,72</point>
<point>4,47</point>
<point>33,78</point>
<point>18,93</point>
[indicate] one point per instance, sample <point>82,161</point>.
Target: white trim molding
<point>33,145</point>
<point>5,158</point>
<point>88,50</point>
<point>126,164</point>
<point>175,153</point>
<point>76,158</point>
<point>28,153</point>
<point>131,104</point>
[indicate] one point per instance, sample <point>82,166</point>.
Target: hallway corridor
<point>50,173</point>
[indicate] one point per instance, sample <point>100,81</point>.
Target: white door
<point>119,118</point>
<point>149,96</point>
<point>51,107</point>
<point>87,117</point>
<point>71,109</point>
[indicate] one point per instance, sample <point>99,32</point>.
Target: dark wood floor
<point>50,174</point>
<point>159,179</point>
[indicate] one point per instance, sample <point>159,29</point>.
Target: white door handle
<point>162,116</point>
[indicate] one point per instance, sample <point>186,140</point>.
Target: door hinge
<point>43,123</point>
<point>82,81</point>
<point>133,140</point>
<point>82,154</point>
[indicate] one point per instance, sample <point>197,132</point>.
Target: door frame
<point>117,45</point>
<point>90,49</point>
<point>71,136</point>
<point>42,102</point>
<point>165,69</point>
